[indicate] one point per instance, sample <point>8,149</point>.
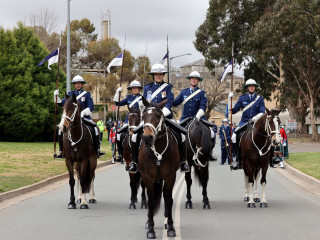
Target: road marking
<point>177,212</point>
<point>175,189</point>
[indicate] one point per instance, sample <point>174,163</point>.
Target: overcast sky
<point>144,22</point>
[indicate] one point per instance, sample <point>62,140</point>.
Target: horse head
<point>134,118</point>
<point>71,112</point>
<point>153,119</point>
<point>274,125</point>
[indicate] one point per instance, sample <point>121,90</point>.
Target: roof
<point>199,62</point>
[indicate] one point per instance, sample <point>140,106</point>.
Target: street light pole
<point>170,63</point>
<point>68,50</point>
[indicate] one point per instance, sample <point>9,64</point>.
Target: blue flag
<point>51,58</point>
<point>117,61</point>
<point>164,58</point>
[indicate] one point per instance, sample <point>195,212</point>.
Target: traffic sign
<point>113,107</point>
<point>291,124</point>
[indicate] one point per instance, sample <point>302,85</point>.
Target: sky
<point>145,23</point>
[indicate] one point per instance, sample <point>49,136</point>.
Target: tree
<point>141,67</point>
<point>26,101</point>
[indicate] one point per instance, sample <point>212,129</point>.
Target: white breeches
<point>234,137</point>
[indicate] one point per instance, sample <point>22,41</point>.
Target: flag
<point>226,71</point>
<point>117,61</point>
<point>164,58</point>
<point>51,58</point>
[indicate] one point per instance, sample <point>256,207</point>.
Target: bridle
<point>196,153</point>
<point>131,127</point>
<point>156,130</point>
<point>269,133</point>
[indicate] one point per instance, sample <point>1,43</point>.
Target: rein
<point>195,157</point>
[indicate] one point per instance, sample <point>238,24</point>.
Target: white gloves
<point>255,118</point>
<point>230,95</point>
<point>200,113</point>
<point>85,112</point>
<point>116,96</point>
<point>56,93</point>
<point>166,111</point>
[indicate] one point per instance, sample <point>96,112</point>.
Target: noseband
<point>71,119</point>
<point>130,127</point>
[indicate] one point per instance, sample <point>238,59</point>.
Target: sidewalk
<point>303,147</point>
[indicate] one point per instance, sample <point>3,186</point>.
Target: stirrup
<point>60,156</point>
<point>184,167</point>
<point>235,165</point>
<point>132,168</point>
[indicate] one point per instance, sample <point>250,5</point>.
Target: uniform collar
<point>158,84</point>
<point>81,90</point>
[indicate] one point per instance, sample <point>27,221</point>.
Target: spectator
<point>100,125</point>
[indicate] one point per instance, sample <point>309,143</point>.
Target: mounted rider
<point>157,92</point>
<point>132,101</point>
<point>86,103</point>
<point>253,107</point>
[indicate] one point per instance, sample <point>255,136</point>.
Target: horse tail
<point>157,191</point>
<point>202,175</point>
<point>86,180</point>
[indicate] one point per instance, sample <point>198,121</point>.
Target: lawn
<point>22,164</point>
<point>308,163</point>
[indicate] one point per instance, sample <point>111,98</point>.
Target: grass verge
<point>22,164</point>
<point>308,163</point>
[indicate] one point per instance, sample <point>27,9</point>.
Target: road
<point>293,212</point>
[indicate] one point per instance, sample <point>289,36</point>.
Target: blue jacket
<point>257,107</point>
<point>166,93</point>
<point>227,130</point>
<point>215,128</point>
<point>192,106</point>
<point>127,101</point>
<point>85,101</point>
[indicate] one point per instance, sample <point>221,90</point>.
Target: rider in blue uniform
<point>253,107</point>
<point>157,92</point>
<point>225,136</point>
<point>132,101</point>
<point>86,103</point>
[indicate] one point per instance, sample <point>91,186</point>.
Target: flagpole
<point>55,108</point>
<point>144,66</point>
<point>118,109</point>
<point>231,156</point>
<point>168,61</point>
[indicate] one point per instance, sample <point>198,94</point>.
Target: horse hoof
<point>132,206</point>
<point>189,205</point>
<point>151,234</point>
<point>264,205</point>
<point>256,199</point>
<point>78,201</point>
<point>84,206</point>
<point>171,233</point>
<point>92,201</point>
<point>72,206</point>
<point>251,205</point>
<point>206,206</point>
<point>143,206</point>
<point>246,199</point>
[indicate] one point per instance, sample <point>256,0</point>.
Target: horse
<point>255,145</point>
<point>159,159</point>
<point>134,119</point>
<point>199,147</point>
<point>79,152</point>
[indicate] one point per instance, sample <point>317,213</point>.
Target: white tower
<point>106,25</point>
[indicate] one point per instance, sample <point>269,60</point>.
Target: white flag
<point>226,71</point>
<point>117,61</point>
<point>51,58</point>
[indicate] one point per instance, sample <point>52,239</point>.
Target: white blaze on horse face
<point>62,121</point>
<point>149,111</point>
<point>276,124</point>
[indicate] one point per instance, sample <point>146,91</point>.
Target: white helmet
<point>225,120</point>
<point>158,68</point>
<point>78,79</point>
<point>134,83</point>
<point>250,82</point>
<point>195,74</point>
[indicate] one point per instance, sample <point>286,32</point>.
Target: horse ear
<point>66,95</point>
<point>74,99</point>
<point>162,104</point>
<point>144,101</point>
<point>129,108</point>
<point>268,111</point>
<point>275,112</point>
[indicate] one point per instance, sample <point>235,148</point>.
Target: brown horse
<point>134,119</point>
<point>199,146</point>
<point>79,152</point>
<point>255,144</point>
<point>159,159</point>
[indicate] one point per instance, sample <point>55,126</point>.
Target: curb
<point>13,193</point>
<point>307,182</point>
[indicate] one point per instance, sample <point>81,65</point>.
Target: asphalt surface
<point>293,212</point>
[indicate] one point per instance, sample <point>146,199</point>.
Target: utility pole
<point>68,50</point>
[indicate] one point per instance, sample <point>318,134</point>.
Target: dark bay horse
<point>199,146</point>
<point>134,119</point>
<point>159,159</point>
<point>255,145</point>
<point>79,152</point>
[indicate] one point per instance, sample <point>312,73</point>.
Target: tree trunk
<point>104,111</point>
<point>313,121</point>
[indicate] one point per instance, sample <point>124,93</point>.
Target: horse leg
<point>188,179</point>
<point>256,196</point>
<point>79,190</point>
<point>167,193</point>
<point>93,165</point>
<point>151,207</point>
<point>165,202</point>
<point>204,182</point>
<point>264,203</point>
<point>92,198</point>
<point>82,174</point>
<point>251,203</point>
<point>246,186</point>
<point>133,188</point>
<point>71,204</point>
<point>143,196</point>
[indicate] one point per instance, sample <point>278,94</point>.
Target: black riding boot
<point>96,141</point>
<point>132,168</point>
<point>120,146</point>
<point>60,139</point>
<point>237,163</point>
<point>184,166</point>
